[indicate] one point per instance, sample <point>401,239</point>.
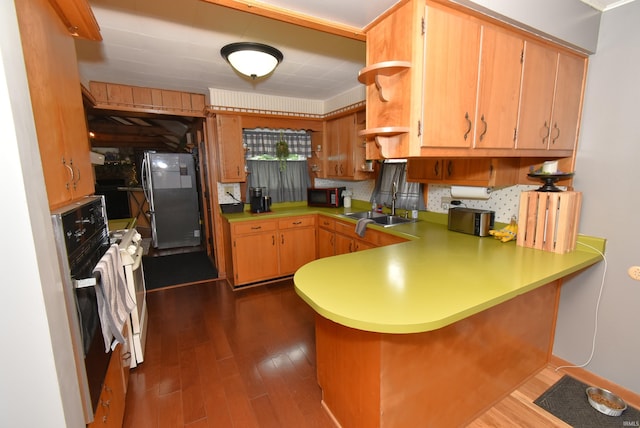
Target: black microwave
<point>325,196</point>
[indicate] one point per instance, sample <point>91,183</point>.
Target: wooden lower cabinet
<point>255,251</point>
<point>326,237</point>
<point>347,244</point>
<point>263,250</point>
<point>110,410</point>
<point>347,241</point>
<point>267,249</point>
<point>297,243</point>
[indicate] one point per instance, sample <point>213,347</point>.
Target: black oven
<point>82,238</point>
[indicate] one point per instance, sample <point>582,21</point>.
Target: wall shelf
<point>374,73</point>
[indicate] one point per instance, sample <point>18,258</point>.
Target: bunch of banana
<point>507,233</point>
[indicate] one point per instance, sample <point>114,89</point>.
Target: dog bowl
<point>606,401</point>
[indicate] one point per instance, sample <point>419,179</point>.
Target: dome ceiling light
<point>252,59</point>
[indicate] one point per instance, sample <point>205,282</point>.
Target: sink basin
<point>385,220</point>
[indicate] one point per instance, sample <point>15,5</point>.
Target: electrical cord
<point>595,327</point>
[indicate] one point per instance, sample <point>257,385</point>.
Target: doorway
<point>123,137</point>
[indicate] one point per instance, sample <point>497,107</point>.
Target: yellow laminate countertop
<point>435,279</point>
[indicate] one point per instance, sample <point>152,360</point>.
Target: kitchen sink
<point>385,220</point>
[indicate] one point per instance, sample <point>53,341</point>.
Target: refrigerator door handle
<point>145,184</point>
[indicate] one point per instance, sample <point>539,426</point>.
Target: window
<point>285,180</point>
<point>409,196</point>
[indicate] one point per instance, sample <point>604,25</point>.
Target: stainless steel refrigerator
<point>169,183</point>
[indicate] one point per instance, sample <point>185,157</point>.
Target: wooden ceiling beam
<point>292,17</point>
<point>135,130</point>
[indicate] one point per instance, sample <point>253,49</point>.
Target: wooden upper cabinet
<point>336,139</point>
<point>451,76</point>
<point>567,105</point>
<point>56,100</point>
<point>345,150</point>
<point>393,79</point>
<point>470,172</point>
<point>78,18</point>
<point>469,87</point>
<point>552,87</point>
<point>231,152</point>
<point>498,89</point>
<point>472,83</point>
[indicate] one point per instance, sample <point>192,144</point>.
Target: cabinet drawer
<point>326,222</point>
<point>293,222</point>
<point>347,229</point>
<point>247,227</point>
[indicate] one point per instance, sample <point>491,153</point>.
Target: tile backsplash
<point>504,201</point>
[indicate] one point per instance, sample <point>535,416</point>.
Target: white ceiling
<point>175,44</point>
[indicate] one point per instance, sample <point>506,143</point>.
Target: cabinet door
<point>297,248</point>
<point>498,89</point>
<point>464,170</point>
<point>343,244</point>
<point>56,99</point>
<point>339,134</point>
<point>110,410</point>
<point>229,140</point>
<point>451,77</point>
<point>538,81</point>
<point>424,169</point>
<point>255,257</point>
<point>567,102</point>
<point>360,245</point>
<point>326,243</point>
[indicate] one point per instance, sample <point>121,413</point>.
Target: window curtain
<point>289,184</point>
<point>409,196</point>
<point>262,141</point>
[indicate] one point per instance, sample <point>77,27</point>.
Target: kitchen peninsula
<point>433,331</point>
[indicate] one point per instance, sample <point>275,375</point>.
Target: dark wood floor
<point>219,358</point>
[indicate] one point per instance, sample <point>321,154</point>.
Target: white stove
<point>131,251</point>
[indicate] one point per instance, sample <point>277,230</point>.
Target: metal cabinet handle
<point>555,126</point>
<point>436,168</point>
<point>450,169</point>
<point>546,133</point>
<point>238,170</point>
<point>75,180</point>
<point>64,162</point>
<point>466,134</point>
<point>485,128</point>
<point>273,240</point>
<point>256,227</point>
<point>282,239</point>
<point>297,222</point>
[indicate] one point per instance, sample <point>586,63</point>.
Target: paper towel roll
<point>468,192</point>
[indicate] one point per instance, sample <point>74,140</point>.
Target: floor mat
<point>176,269</point>
<point>567,400</point>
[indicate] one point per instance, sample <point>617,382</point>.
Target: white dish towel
<point>114,302</point>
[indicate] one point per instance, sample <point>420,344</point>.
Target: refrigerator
<point>169,184</point>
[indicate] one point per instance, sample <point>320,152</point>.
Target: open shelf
<point>371,74</point>
<point>385,131</point>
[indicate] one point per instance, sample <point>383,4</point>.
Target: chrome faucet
<point>394,192</point>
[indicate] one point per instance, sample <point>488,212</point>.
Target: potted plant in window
<point>282,152</point>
